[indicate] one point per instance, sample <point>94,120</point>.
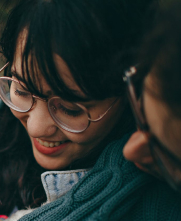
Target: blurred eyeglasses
<point>72,117</point>
<point>169,164</point>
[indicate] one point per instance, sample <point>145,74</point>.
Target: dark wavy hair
<point>98,40</point>
<point>161,52</point>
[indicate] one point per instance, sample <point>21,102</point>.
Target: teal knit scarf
<point>113,190</point>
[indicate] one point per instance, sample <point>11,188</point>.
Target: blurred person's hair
<point>161,52</point>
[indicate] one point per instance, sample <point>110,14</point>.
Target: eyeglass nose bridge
<point>39,98</point>
<point>46,100</point>
<point>34,97</point>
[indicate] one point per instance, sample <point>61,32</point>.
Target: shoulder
<point>157,202</point>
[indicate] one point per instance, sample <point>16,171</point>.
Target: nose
<point>39,121</point>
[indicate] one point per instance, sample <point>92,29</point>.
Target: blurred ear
<point>137,150</point>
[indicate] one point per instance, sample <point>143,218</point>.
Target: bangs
<point>65,33</point>
<point>40,43</point>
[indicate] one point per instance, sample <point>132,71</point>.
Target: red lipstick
<point>48,150</point>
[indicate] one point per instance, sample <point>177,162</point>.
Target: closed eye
<point>21,93</point>
<point>69,112</point>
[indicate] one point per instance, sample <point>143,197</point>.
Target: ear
<point>137,149</point>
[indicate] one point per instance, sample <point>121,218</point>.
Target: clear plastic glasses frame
<point>77,123</point>
<point>169,164</point>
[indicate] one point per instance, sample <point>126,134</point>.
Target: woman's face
<point>162,124</point>
<point>43,131</point>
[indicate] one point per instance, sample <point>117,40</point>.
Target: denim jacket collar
<point>58,183</point>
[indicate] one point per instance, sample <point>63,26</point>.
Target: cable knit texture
<point>113,190</point>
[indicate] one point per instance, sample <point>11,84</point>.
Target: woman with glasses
<point>155,147</point>
<point>66,115</point>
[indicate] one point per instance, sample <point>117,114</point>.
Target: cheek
<point>20,116</point>
<point>94,133</point>
<point>16,114</point>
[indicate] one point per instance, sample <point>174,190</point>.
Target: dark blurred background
<point>5,8</point>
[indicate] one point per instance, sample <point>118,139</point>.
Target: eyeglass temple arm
<point>4,67</point>
<point>133,100</point>
<point>101,116</point>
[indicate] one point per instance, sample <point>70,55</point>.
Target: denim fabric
<point>58,183</point>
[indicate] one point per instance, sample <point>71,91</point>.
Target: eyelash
<point>69,112</point>
<point>21,93</point>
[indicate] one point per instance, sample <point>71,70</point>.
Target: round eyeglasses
<point>169,164</point>
<point>72,117</point>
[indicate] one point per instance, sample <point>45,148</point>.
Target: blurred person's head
<point>158,110</point>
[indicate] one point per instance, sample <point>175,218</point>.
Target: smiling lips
<point>49,148</point>
<point>49,144</point>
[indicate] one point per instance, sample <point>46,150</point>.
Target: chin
<point>51,163</point>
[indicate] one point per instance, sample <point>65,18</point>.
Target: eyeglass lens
<point>15,96</point>
<point>68,115</point>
